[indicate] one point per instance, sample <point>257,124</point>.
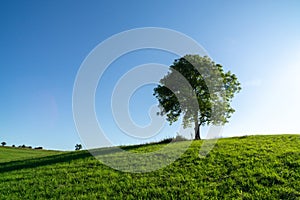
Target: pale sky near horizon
<point>43,43</point>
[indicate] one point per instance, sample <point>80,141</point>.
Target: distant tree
<point>214,106</point>
<point>38,148</point>
<point>13,145</point>
<point>78,147</point>
<point>3,143</point>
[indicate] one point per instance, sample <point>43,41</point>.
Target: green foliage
<point>208,85</point>
<point>78,147</point>
<point>178,138</point>
<point>252,167</point>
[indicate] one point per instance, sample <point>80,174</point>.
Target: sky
<point>43,44</point>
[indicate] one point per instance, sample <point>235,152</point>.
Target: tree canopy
<point>78,147</point>
<point>199,89</point>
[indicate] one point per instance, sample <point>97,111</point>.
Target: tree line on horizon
<point>77,146</point>
<point>21,146</point>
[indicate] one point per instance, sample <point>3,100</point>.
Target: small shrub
<point>78,147</point>
<point>178,138</point>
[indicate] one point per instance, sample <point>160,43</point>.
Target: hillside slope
<point>253,167</point>
<point>8,154</point>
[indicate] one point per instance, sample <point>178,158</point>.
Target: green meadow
<point>8,154</point>
<point>250,167</point>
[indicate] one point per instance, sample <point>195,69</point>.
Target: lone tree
<point>212,89</point>
<point>3,143</point>
<point>78,147</point>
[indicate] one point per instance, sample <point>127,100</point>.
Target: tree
<point>199,89</point>
<point>78,147</point>
<point>3,143</point>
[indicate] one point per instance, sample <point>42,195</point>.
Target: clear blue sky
<point>43,43</point>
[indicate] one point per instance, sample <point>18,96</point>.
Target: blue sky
<point>43,43</point>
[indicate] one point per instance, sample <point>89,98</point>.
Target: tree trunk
<point>197,131</point>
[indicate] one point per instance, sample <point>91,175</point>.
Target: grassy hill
<point>8,154</point>
<point>253,167</point>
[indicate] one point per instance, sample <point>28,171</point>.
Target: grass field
<point>8,154</point>
<point>253,167</point>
